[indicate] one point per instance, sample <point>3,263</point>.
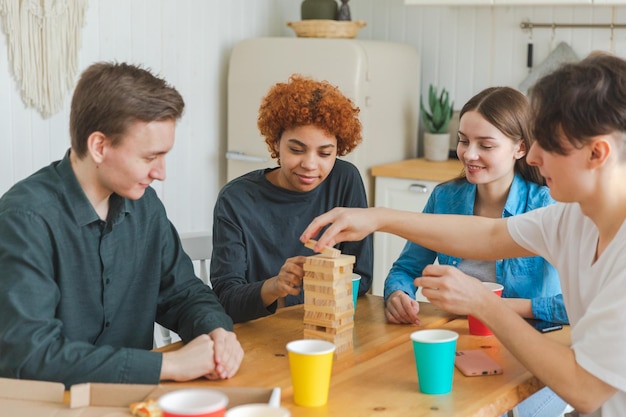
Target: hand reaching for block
<point>326,251</point>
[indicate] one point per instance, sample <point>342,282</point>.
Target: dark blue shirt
<point>79,296</point>
<point>257,225</point>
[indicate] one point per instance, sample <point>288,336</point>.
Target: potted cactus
<point>436,121</point>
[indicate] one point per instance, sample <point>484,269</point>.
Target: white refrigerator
<point>382,78</point>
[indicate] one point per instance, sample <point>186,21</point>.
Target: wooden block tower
<point>328,305</point>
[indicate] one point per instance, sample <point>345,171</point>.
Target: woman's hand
<point>287,282</point>
<point>402,309</point>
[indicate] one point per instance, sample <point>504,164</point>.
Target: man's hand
<point>193,360</point>
<point>228,354</point>
<point>449,288</point>
<point>217,355</point>
<point>345,224</point>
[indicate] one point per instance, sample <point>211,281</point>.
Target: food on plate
<point>148,408</point>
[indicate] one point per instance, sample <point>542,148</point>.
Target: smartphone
<point>476,362</point>
<point>544,326</point>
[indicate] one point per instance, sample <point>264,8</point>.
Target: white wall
<point>186,41</point>
<point>464,49</point>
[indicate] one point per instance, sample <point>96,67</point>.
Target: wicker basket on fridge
<point>319,28</point>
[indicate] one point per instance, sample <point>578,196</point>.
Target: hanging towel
<point>43,38</point>
<point>562,54</point>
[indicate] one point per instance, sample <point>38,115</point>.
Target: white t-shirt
<point>594,293</point>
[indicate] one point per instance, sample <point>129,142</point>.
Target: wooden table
<point>264,341</point>
<point>420,169</point>
<point>379,377</point>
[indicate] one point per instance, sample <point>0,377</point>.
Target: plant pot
<point>319,9</point>
<point>436,146</point>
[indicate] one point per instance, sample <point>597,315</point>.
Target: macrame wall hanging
<point>43,38</point>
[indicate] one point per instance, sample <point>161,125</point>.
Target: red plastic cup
<point>193,402</point>
<point>476,327</point>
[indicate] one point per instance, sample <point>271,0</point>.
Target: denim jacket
<point>530,277</point>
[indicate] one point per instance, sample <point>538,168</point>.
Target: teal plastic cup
<point>434,351</point>
<point>356,280</point>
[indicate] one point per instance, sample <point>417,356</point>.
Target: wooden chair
<point>199,246</point>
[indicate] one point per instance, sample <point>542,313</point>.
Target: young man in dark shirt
<point>89,260</point>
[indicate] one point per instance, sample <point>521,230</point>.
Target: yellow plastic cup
<point>310,362</point>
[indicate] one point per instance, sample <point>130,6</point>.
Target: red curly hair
<point>303,101</point>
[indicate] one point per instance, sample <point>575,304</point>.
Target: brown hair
<point>579,101</point>
<point>507,110</point>
<point>111,96</point>
<point>303,101</point>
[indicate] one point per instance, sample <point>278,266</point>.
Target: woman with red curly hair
<point>257,255</point>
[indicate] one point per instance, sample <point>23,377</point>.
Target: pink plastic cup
<point>476,327</point>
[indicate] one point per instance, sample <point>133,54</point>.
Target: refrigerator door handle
<point>419,188</point>
<point>241,156</point>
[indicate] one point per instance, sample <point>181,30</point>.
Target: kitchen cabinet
<point>404,185</point>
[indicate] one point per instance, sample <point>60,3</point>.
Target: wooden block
<point>335,293</point>
<point>324,291</point>
<point>328,274</point>
<point>343,339</point>
<point>334,274</point>
<point>339,305</point>
<point>343,343</point>
<point>338,271</point>
<point>327,251</point>
<point>312,334</point>
<point>326,320</point>
<point>337,338</point>
<point>314,315</point>
<point>319,319</point>
<point>337,332</point>
<point>324,282</point>
<point>330,311</point>
<point>323,261</point>
<point>344,348</point>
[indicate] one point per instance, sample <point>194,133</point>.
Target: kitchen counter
<point>404,185</point>
<point>419,169</point>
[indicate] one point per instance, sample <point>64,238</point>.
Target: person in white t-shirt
<point>580,130</point>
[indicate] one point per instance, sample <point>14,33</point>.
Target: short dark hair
<point>111,96</point>
<point>303,101</point>
<point>579,101</point>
